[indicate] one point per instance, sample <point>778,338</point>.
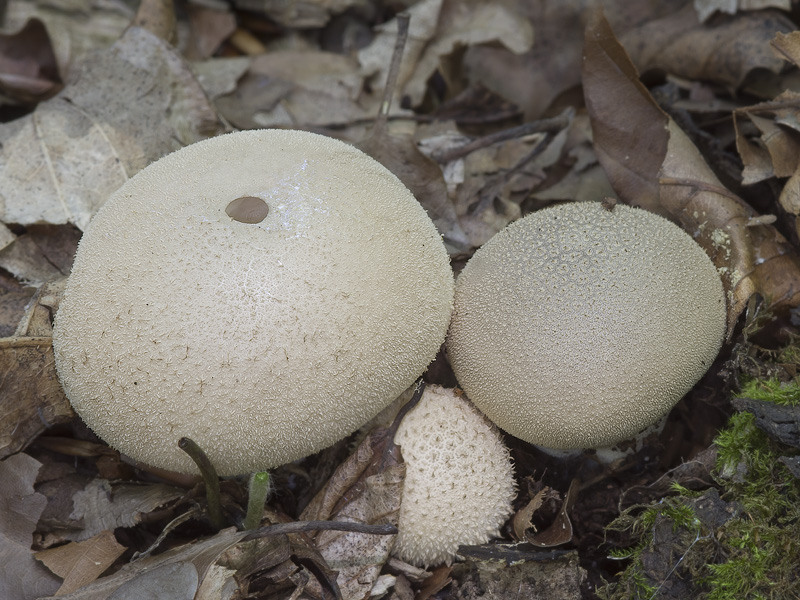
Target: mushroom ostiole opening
<point>247,209</point>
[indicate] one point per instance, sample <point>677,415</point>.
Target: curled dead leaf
<point>652,163</point>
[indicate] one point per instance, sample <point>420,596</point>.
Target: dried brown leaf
<point>560,530</point>
<point>522,518</point>
<point>424,178</point>
<point>80,563</point>
<point>157,17</point>
<point>104,506</point>
<point>438,29</point>
<point>28,68</point>
<point>301,14</point>
<point>628,125</point>
<point>553,65</point>
<point>208,28</point>
<point>31,398</point>
<point>724,51</point>
<point>174,574</point>
<point>21,577</point>
<point>652,163</point>
<point>776,151</point>
<point>705,8</point>
<point>787,46</point>
<point>129,105</point>
<point>73,30</point>
<point>294,88</point>
<point>366,488</point>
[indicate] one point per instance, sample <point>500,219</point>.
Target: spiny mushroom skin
<point>262,333</point>
<point>577,327</point>
<point>459,480</point>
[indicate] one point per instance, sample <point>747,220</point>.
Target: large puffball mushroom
<point>577,326</point>
<point>263,293</point>
<point>459,479</point>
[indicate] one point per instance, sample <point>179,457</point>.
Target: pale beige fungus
<point>264,339</point>
<point>459,480</point>
<point>577,327</point>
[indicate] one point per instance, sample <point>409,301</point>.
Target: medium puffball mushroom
<point>459,480</point>
<point>577,326</point>
<point>264,293</point>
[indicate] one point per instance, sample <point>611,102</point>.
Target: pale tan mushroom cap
<point>264,342</point>
<point>577,327</point>
<point>459,480</point>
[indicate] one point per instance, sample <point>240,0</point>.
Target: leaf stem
<point>210,478</point>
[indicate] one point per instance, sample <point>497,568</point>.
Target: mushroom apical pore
<point>577,327</point>
<point>459,479</point>
<point>264,293</point>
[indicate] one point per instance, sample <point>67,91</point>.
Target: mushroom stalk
<point>257,492</point>
<point>210,478</point>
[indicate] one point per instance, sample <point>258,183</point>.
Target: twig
<point>300,526</point>
<point>391,78</point>
<point>544,125</point>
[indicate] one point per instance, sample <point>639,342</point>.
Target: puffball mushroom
<point>264,293</point>
<point>459,480</point>
<point>577,327</point>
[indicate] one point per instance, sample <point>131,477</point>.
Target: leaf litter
<point>688,109</point>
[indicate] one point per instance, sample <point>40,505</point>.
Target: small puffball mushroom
<point>264,293</point>
<point>577,326</point>
<point>459,480</point>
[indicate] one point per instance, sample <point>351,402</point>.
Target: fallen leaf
<point>425,180</point>
<point>560,530</point>
<point>652,163</point>
<point>787,46</point>
<point>437,29</point>
<point>28,69</point>
<point>366,488</point>
<point>21,576</point>
<point>102,506</point>
<point>72,30</point>
<point>80,563</point>
<point>174,574</point>
<point>706,8</point>
<point>300,14</point>
<point>723,51</point>
<point>209,27</point>
<point>31,398</point>
<point>522,518</point>
<point>300,89</point>
<point>127,107</point>
<point>552,66</point>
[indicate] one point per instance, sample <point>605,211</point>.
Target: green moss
<point>752,553</point>
<point>772,390</point>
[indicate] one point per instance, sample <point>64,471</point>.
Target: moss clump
<point>750,553</point>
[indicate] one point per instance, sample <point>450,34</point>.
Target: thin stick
<point>210,478</point>
<point>299,526</point>
<point>543,125</point>
<point>391,78</point>
<point>257,492</point>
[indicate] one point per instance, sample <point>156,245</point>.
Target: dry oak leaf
<point>652,163</point>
